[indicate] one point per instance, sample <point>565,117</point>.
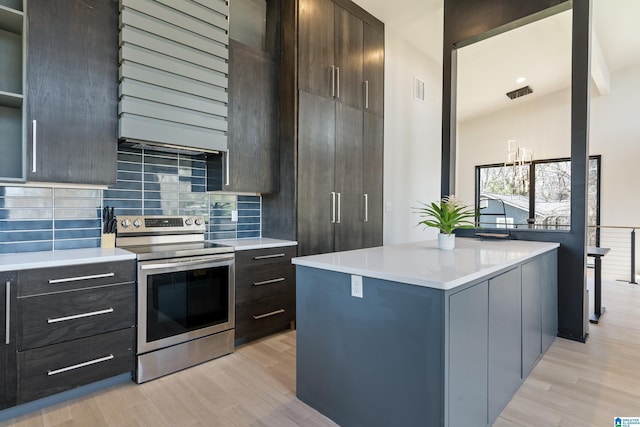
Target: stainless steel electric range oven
<point>185,293</point>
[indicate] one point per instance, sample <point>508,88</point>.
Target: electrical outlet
<point>234,216</point>
<point>356,286</point>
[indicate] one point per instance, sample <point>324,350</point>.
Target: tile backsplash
<point>149,183</point>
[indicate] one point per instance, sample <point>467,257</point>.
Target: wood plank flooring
<point>573,385</point>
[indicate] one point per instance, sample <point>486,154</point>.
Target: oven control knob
<point>137,223</point>
<point>198,221</point>
<point>188,221</point>
<point>125,223</point>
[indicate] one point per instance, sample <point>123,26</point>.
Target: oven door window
<point>183,301</point>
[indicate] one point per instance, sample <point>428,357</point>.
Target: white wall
<point>412,139</point>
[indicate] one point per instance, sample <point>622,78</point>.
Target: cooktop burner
<point>175,250</point>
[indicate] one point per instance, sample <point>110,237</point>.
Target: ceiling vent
<point>520,92</point>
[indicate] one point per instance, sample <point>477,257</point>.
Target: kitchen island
<point>410,335</point>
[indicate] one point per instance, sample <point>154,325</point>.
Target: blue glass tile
<point>248,198</point>
<point>122,212</point>
<point>199,172</point>
<point>156,169</point>
<point>165,159</point>
<point>248,227</point>
<point>76,234</point>
<point>26,202</point>
<point>74,193</point>
<point>161,212</point>
<point>220,220</point>
<point>130,167</point>
<point>196,188</point>
<point>26,192</point>
<point>63,224</point>
<point>26,225</point>
<point>220,213</point>
<point>25,236</point>
<point>246,205</point>
<point>76,213</point>
<point>157,204</point>
<point>222,235</point>
<point>127,185</point>
<point>247,234</point>
<point>26,213</point>
<point>222,227</point>
<point>248,220</point>
<point>123,204</point>
<point>129,176</point>
<point>249,212</point>
<point>122,194</point>
<point>124,150</point>
<point>8,248</point>
<point>76,244</point>
<point>77,203</point>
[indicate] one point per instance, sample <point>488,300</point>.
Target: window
<point>537,195</point>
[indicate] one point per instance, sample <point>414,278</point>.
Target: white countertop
<point>29,260</point>
<point>423,264</point>
<point>255,243</point>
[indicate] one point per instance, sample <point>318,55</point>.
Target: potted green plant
<point>447,215</point>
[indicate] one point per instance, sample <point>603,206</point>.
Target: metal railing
<point>620,263</point>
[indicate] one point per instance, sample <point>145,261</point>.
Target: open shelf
<point>11,19</point>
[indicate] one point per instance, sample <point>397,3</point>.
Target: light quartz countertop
<point>29,260</point>
<point>423,264</point>
<point>255,243</point>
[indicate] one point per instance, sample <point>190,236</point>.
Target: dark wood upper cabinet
<point>72,91</point>
<point>348,58</point>
<point>316,47</point>
<point>253,120</point>
<point>373,70</point>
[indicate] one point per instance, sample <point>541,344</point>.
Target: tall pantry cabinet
<point>339,127</point>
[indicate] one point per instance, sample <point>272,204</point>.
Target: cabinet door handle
<point>80,365</point>
<point>268,282</point>
<point>78,278</point>
<point>333,81</point>
<point>268,256</point>
<point>333,207</point>
<point>337,82</point>
<point>272,313</point>
<point>7,324</point>
<point>34,144</point>
<point>80,316</point>
<point>226,169</point>
<point>366,94</point>
<point>366,207</point>
<point>339,209</point>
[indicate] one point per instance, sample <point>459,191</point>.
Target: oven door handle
<point>200,261</point>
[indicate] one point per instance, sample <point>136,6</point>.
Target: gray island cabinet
<point>437,338</point>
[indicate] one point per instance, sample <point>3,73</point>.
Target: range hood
<point>173,77</point>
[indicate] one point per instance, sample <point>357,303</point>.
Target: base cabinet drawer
<point>60,367</point>
<point>54,318</point>
<point>254,284</point>
<point>264,317</point>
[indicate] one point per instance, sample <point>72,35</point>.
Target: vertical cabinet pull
<point>333,81</point>
<point>7,324</point>
<point>337,82</point>
<point>333,207</point>
<point>226,168</point>
<point>366,207</point>
<point>366,94</point>
<point>34,144</point>
<point>339,209</point>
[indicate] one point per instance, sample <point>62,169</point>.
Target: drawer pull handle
<point>268,282</point>
<point>74,279</point>
<point>80,316</point>
<point>80,365</point>
<point>273,313</point>
<point>268,256</point>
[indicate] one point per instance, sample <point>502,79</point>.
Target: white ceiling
<point>534,51</point>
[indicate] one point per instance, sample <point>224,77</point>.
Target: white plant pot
<point>446,242</point>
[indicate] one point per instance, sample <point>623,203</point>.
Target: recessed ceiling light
<point>521,79</point>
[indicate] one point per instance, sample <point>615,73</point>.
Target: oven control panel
<point>143,224</point>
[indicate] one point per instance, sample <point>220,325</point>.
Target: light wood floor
<point>573,385</point>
